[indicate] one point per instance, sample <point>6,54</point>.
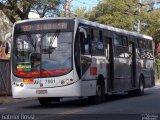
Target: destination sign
<point>44,26</point>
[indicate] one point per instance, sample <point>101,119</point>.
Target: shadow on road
<point>86,102</point>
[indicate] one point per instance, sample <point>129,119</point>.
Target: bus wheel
<point>141,86</point>
<point>44,101</point>
<point>100,94</point>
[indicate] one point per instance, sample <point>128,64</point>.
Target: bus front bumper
<point>72,90</point>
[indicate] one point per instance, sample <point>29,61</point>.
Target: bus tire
<point>44,101</point>
<point>141,86</point>
<point>100,93</point>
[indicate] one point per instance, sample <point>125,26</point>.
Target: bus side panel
<point>89,79</point>
<point>145,61</point>
<point>122,74</point>
<point>145,68</point>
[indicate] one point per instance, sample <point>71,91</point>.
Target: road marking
<point>70,112</point>
<point>60,115</point>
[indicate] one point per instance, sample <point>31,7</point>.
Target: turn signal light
<point>28,81</point>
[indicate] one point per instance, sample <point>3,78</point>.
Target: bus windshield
<point>42,54</point>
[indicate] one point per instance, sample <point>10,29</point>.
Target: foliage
<point>47,7</point>
<point>4,24</point>
<point>121,13</point>
<point>5,27</point>
<point>80,12</point>
<point>19,9</point>
<point>125,14</point>
<point>157,61</point>
<point>152,27</point>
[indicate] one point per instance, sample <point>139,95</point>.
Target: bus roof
<point>92,24</point>
<point>114,29</point>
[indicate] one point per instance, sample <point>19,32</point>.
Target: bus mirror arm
<point>82,30</point>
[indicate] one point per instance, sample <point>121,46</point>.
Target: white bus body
<point>102,59</point>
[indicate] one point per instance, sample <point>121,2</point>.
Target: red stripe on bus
<point>45,73</point>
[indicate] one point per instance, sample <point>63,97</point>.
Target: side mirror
<point>82,30</point>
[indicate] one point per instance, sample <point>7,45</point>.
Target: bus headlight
<point>19,84</point>
<point>67,81</point>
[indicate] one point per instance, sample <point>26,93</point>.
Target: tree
<point>152,26</point>
<point>5,27</point>
<point>80,12</point>
<point>151,18</point>
<point>15,8</point>
<point>125,14</point>
<point>121,14</point>
<point>19,9</point>
<point>47,7</point>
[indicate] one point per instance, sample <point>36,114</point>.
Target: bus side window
<point>118,40</point>
<point>149,52</point>
<point>97,42</point>
<point>121,47</point>
<point>141,48</point>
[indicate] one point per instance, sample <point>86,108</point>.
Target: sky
<point>89,4</point>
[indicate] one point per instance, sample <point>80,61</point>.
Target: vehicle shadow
<point>85,102</point>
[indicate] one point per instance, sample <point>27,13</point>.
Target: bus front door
<point>109,63</point>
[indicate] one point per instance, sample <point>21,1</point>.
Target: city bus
<point>55,58</point>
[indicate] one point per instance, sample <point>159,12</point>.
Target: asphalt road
<point>116,107</point>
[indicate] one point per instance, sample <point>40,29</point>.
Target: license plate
<point>47,81</point>
<point>41,91</point>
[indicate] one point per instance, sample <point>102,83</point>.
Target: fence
<point>5,82</point>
